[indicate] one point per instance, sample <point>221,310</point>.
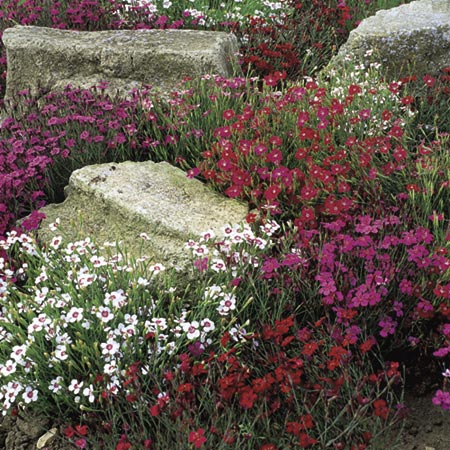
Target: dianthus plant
<point>128,345</point>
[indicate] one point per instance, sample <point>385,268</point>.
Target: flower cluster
<point>280,334</point>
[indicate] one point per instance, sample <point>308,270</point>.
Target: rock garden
<point>224,224</point>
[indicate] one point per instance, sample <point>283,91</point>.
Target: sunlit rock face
<point>118,202</point>
<point>48,59</point>
<point>410,39</point>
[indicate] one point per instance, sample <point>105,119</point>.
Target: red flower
<point>155,410</point>
<point>429,80</point>
<point>394,87</point>
<point>197,437</point>
<point>309,348</point>
<point>275,156</point>
<point>367,344</point>
<point>247,397</point>
<point>408,100</point>
<point>396,131</point>
<point>271,80</point>
<point>306,133</point>
<point>354,89</point>
<point>381,409</point>
<point>271,193</point>
<point>69,432</point>
<point>306,440</point>
<point>228,114</point>
<point>81,430</point>
<point>233,191</point>
<point>386,115</point>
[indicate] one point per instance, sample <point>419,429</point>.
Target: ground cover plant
<point>292,329</point>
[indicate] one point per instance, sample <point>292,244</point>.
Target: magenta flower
<point>442,399</point>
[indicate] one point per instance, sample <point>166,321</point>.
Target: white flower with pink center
<point>227,304</point>
<point>89,393</point>
<point>200,250</point>
<point>156,268</point>
<point>74,315</point>
<point>218,265</point>
<point>207,236</point>
<point>110,347</point>
<point>104,314</point>
<point>56,242</point>
<point>270,227</point>
<point>75,386</point>
<point>30,395</point>
<point>98,261</point>
<point>38,323</point>
<point>191,329</point>
<point>54,225</point>
<point>8,368</point>
<point>85,279</point>
<point>191,245</point>
<point>110,367</point>
<point>61,352</point>
<point>18,352</point>
<point>160,323</point>
<point>56,384</point>
<point>207,325</point>
<point>117,299</point>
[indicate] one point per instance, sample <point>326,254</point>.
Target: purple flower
<point>442,398</point>
<point>388,326</point>
<point>446,330</point>
<point>201,264</point>
<point>365,225</point>
<point>441,352</point>
<point>398,308</point>
<point>196,348</point>
<point>33,220</point>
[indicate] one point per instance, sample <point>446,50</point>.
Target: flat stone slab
<point>117,202</point>
<point>48,58</point>
<point>410,39</point>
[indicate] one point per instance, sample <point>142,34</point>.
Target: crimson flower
<point>197,437</point>
<point>271,193</point>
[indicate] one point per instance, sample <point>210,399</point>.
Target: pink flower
<point>80,443</point>
<point>442,398</point>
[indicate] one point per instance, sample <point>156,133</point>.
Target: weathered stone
<point>118,202</point>
<point>46,438</point>
<point>410,39</point>
<point>50,59</point>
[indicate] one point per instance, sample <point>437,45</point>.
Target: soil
<point>427,426</point>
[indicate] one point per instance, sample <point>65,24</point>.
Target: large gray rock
<point>118,202</point>
<point>410,39</point>
<point>48,58</point>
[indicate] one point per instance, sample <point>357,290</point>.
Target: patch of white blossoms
<point>77,307</point>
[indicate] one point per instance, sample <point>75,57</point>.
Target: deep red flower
<point>271,193</point>
<point>123,445</point>
<point>233,191</point>
<point>197,438</point>
<point>247,397</point>
<point>429,80</point>
<point>306,441</point>
<point>69,432</point>
<point>408,100</point>
<point>228,114</point>
<point>381,409</point>
<point>354,89</point>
